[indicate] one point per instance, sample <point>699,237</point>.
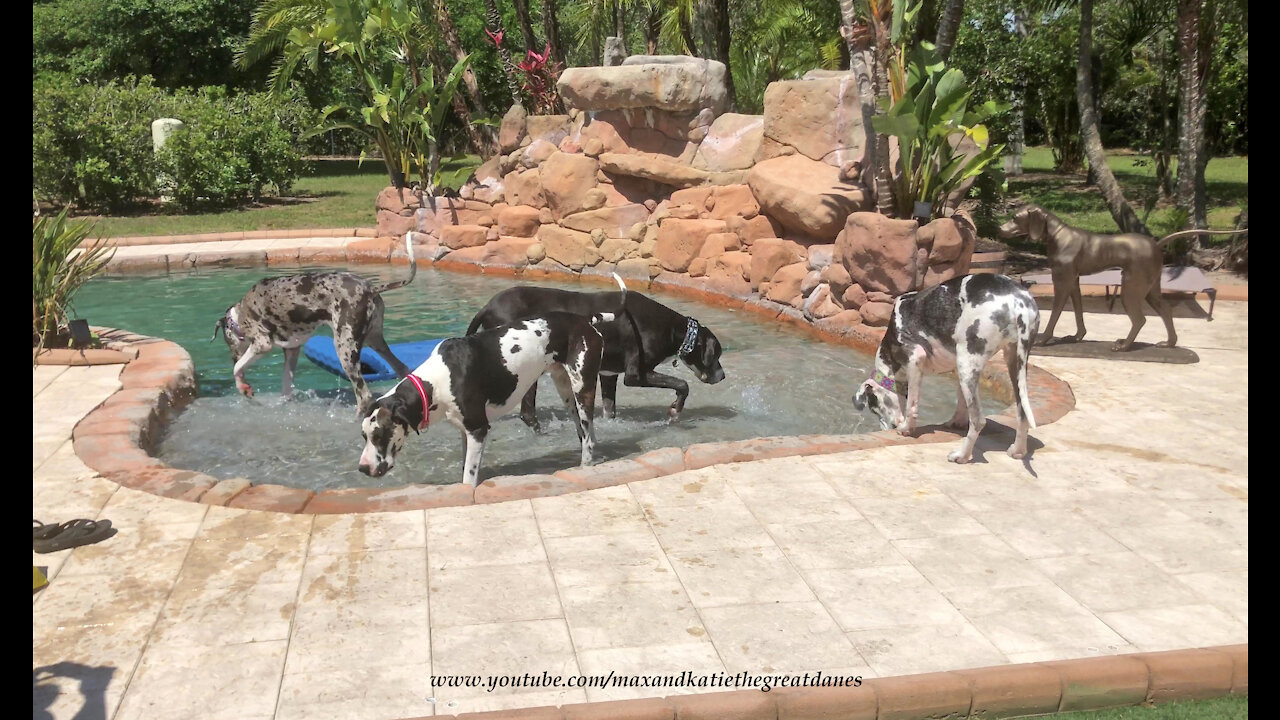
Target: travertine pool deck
<point>1126,531</point>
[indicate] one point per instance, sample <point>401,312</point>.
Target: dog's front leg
<point>290,366</point>
<point>911,410</point>
<point>609,392</point>
<point>960,418</point>
<point>657,379</point>
<point>245,360</point>
<point>475,450</point>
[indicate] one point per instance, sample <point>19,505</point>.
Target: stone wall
<point>646,176</point>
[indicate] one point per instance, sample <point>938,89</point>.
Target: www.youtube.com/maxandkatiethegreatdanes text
<point>686,679</point>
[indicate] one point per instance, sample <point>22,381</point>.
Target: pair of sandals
<point>73,533</point>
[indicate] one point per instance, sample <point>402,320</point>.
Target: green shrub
<point>92,144</point>
<point>233,148</point>
<point>57,272</point>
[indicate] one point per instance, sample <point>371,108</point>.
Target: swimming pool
<point>778,382</point>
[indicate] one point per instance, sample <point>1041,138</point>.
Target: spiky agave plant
<point>59,269</point>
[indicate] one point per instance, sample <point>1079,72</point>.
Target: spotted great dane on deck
<point>284,311</point>
<point>957,325</point>
<point>480,377</point>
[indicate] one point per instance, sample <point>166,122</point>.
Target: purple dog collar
<point>883,381</point>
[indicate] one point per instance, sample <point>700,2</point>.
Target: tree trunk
<point>526,25</point>
<point>551,28</point>
<point>886,202</point>
<point>723,40</point>
<point>1193,64</point>
<point>652,28</point>
<point>1123,214</point>
<point>952,13</point>
<point>449,32</point>
<point>620,21</point>
<point>857,40</point>
<point>493,19</point>
<point>479,141</point>
<point>686,33</point>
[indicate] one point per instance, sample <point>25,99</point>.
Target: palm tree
<point>1112,193</point>
<point>951,16</point>
<point>720,20</point>
<point>1193,71</point>
<point>493,19</point>
<point>551,28</point>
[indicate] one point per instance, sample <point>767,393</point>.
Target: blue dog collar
<point>883,381</point>
<point>690,339</point>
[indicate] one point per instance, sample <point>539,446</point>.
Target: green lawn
<point>1227,182</point>
<point>1227,708</point>
<point>334,194</point>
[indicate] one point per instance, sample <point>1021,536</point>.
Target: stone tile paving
<point>1126,531</point>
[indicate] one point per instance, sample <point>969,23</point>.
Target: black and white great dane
<point>957,325</point>
<point>475,379</point>
<point>284,311</point>
<point>648,335</point>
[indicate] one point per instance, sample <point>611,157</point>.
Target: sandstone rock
<point>751,229</point>
<point>810,282</point>
<point>488,171</point>
<point>697,134</point>
<point>820,256</point>
<point>591,147</point>
<point>854,296</point>
<point>667,172</point>
<point>525,188</point>
<point>545,217</point>
<point>680,241</point>
<point>879,252</point>
<point>568,247</point>
<point>821,118</point>
<point>785,283</point>
<point>536,252</point>
<point>397,200</point>
<point>616,249</point>
<point>730,273</point>
<point>694,197</point>
<point>947,238</point>
<point>836,276</point>
<point>821,304</point>
<point>537,153</point>
<point>486,220</point>
<point>805,195</point>
<point>876,314</point>
<point>455,237</point>
<point>490,233</point>
<point>769,254</point>
<point>508,251</point>
<point>548,128</point>
<point>636,232</point>
<point>698,267</point>
<point>845,320</point>
<point>650,204</point>
<point>732,143</point>
<point>731,200</point>
<point>565,181</point>
<point>598,236</point>
<point>519,221</point>
<point>719,243</point>
<point>391,224</point>
<point>648,82</point>
<point>617,222</point>
<point>512,130</point>
<point>684,212</point>
<point>877,296</point>
<point>639,268</point>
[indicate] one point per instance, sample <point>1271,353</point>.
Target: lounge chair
<point>1175,279</point>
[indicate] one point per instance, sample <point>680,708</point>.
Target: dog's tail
<point>477,321</point>
<point>1161,242</point>
<point>602,317</point>
<point>413,268</point>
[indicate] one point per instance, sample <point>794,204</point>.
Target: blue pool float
<point>319,350</point>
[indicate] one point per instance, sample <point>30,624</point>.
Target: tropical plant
<point>930,120</point>
<point>540,74</point>
<point>58,271</point>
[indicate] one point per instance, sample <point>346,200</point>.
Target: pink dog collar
<point>426,403</point>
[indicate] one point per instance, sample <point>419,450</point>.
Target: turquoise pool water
<point>778,382</point>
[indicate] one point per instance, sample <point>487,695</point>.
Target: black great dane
<point>636,342</point>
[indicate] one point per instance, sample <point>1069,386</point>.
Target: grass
<point>334,194</point>
<point>1225,708</point>
<point>1226,178</point>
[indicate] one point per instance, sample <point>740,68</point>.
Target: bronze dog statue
<point>1074,252</point>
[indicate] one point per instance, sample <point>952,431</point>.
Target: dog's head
<point>704,359</point>
<point>385,430</point>
<point>883,396</point>
<point>229,326</point>
<point>1028,221</point>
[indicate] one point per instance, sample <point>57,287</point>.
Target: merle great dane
<point>284,311</point>
<point>957,325</point>
<point>475,379</point>
<point>635,343</point>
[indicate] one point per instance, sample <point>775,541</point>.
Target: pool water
<point>778,382</point>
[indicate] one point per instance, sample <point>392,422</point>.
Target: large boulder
<point>615,221</point>
<point>769,254</point>
<point>518,221</point>
<point>784,285</point>
<point>570,248</point>
<point>566,179</point>
<point>820,117</point>
<point>549,128</point>
<point>680,241</point>
<point>730,273</point>
<point>645,81</point>
<point>525,188</point>
<point>805,195</point>
<point>879,253</point>
<point>666,171</point>
<point>731,143</point>
<point>512,130</point>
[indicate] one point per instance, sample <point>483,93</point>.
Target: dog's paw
<point>1120,345</point>
<point>1017,453</point>
<point>906,430</point>
<point>959,457</point>
<point>245,389</point>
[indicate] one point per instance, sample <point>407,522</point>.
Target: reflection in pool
<point>778,382</point>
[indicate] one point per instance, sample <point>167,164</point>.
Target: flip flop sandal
<point>73,533</point>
